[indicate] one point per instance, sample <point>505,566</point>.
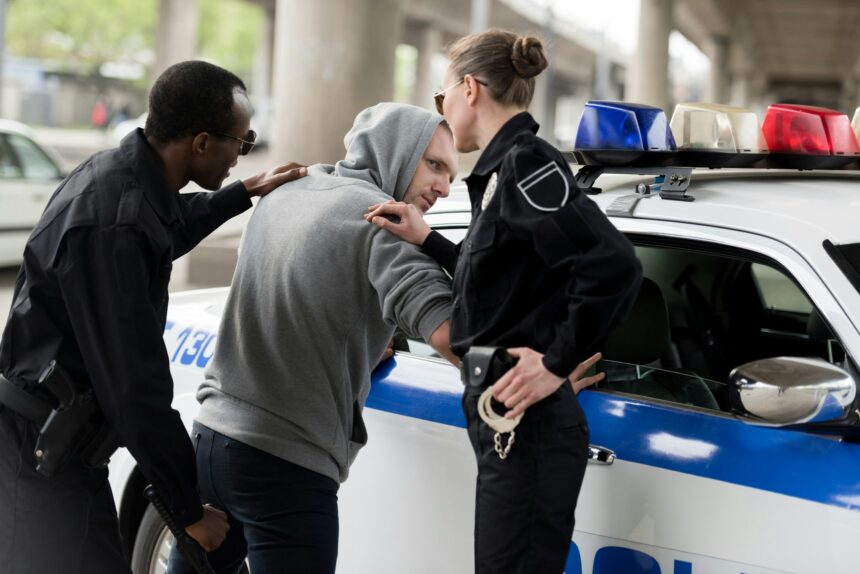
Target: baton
<point>188,547</point>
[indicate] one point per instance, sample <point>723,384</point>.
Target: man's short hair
<point>189,98</point>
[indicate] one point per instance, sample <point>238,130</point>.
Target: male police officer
<point>92,295</point>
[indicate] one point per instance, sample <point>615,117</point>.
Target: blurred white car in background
<point>29,174</point>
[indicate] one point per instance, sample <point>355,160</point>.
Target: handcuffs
<point>498,423</point>
<point>483,366</point>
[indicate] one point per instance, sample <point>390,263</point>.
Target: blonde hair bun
<point>527,57</point>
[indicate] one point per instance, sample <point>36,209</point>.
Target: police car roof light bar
<point>626,138</point>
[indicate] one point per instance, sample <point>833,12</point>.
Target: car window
<point>682,387</point>
<point>35,163</point>
<point>9,168</point>
<point>699,314</point>
<point>778,292</point>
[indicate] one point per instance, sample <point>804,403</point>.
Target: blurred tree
<point>84,34</point>
<point>229,34</point>
<point>81,34</point>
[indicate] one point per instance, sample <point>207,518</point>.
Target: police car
<point>724,436</point>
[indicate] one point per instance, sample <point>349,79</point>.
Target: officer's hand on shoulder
<point>402,219</point>
<point>211,530</point>
<point>263,183</point>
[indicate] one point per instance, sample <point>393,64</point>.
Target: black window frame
<point>848,263</point>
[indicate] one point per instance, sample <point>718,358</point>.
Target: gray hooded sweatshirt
<point>316,297</point>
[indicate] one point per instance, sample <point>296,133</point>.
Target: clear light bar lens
<point>715,127</point>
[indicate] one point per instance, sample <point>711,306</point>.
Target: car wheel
<point>152,545</point>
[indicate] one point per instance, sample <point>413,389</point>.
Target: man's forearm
<point>440,341</point>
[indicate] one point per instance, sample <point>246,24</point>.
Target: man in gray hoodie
<point>316,297</point>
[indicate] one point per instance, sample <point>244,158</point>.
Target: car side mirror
<point>786,391</point>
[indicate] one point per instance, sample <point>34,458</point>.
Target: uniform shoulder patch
<point>542,183</point>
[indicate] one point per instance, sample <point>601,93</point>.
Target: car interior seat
<point>640,341</point>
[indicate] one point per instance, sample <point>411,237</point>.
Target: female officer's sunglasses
<point>439,97</point>
<point>247,143</point>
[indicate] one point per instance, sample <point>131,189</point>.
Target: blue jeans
<point>282,516</point>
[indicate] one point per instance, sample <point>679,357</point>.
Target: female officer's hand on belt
<point>529,381</point>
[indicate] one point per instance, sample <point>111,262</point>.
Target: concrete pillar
<point>718,80</point>
<point>538,107</point>
<point>2,48</point>
<point>328,69</point>
<point>602,76</point>
<point>480,20</point>
<point>175,33</point>
<point>739,94</point>
<point>261,74</point>
<point>650,81</point>
<point>429,42</point>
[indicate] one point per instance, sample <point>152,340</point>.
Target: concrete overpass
<point>321,62</point>
<point>761,51</point>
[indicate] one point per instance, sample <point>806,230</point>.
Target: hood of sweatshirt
<point>385,144</point>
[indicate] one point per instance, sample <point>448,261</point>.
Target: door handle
<point>600,455</point>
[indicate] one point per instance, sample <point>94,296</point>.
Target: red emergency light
<point>823,135</point>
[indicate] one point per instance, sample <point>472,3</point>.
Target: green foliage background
<point>81,35</point>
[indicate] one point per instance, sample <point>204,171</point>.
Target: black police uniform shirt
<point>92,294</point>
<point>541,266</point>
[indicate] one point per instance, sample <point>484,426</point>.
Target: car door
<point>28,177</point>
<point>691,487</point>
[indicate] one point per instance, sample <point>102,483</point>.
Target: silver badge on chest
<point>489,191</point>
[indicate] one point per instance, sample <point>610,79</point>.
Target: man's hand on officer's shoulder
<point>402,219</point>
<point>211,530</point>
<point>530,381</point>
<point>263,183</point>
<point>576,378</point>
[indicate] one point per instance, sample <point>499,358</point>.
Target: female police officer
<point>541,272</point>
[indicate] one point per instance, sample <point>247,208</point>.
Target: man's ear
<point>199,143</point>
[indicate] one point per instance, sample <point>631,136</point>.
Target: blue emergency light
<point>623,126</point>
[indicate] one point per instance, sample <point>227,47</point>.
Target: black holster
<point>483,366</point>
<point>75,428</point>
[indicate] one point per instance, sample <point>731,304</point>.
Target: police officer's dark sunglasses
<point>439,97</point>
<point>247,143</point>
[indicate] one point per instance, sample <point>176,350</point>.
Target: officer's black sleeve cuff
<point>442,250</point>
<point>562,365</point>
<point>232,199</point>
<point>188,511</point>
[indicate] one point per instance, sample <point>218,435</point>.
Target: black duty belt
<point>23,403</point>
